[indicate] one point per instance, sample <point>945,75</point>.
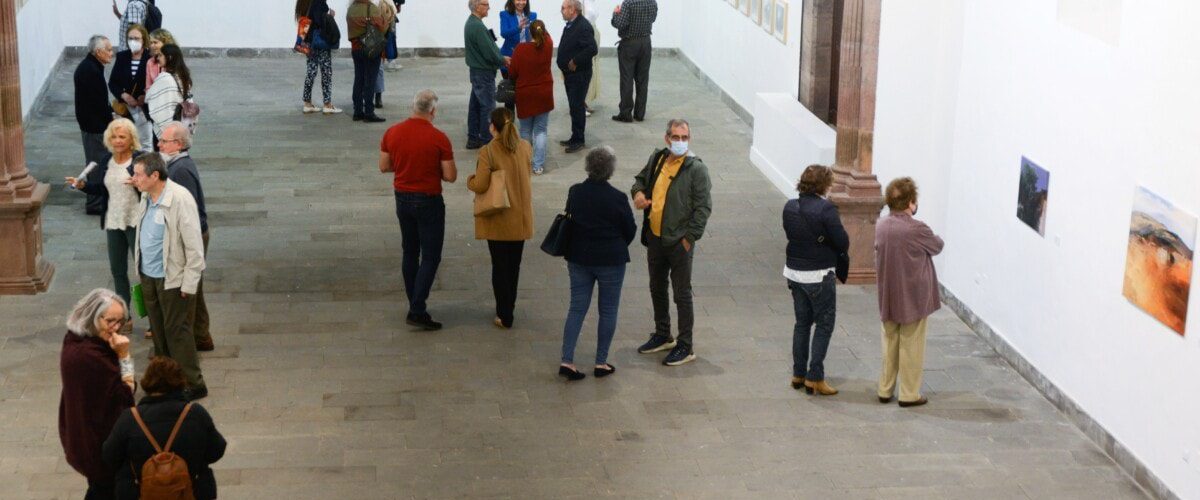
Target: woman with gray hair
<point>602,227</point>
<point>97,385</point>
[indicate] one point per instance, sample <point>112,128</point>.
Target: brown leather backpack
<point>165,475</point>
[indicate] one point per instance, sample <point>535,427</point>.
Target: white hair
<point>472,4</point>
<point>85,317</point>
<point>185,134</point>
<point>577,5</point>
<point>95,42</point>
<point>425,102</point>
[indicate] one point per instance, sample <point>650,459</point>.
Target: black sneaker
<point>579,146</point>
<point>374,119</point>
<point>679,355</point>
<point>424,321</point>
<point>474,145</point>
<point>656,343</point>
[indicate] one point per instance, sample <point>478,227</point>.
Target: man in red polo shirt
<point>421,157</point>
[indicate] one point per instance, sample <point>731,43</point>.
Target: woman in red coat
<point>530,67</point>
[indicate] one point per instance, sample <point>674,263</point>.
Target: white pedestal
<point>787,139</point>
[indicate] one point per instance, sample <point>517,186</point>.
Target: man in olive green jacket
<point>675,193</point>
<point>483,59</point>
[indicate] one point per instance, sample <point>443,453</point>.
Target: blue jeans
<point>533,129</point>
<point>583,278</point>
<point>483,101</point>
<point>815,303</point>
<point>365,71</point>
<point>422,230</point>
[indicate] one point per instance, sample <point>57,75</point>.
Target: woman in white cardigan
<point>170,89</point>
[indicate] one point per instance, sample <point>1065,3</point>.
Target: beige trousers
<point>594,89</point>
<point>903,354</point>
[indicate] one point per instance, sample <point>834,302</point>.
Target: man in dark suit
<point>575,52</point>
<point>92,110</point>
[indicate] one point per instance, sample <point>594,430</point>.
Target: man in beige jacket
<point>169,256</point>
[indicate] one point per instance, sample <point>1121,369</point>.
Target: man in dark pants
<point>421,158</point>
<point>359,15</point>
<point>484,59</point>
<point>181,169</point>
<point>169,256</point>
<point>575,53</point>
<point>633,20</point>
<point>674,191</point>
<point>92,110</point>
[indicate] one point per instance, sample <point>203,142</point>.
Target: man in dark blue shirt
<point>575,53</point>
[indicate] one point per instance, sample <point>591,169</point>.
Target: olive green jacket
<point>689,198</point>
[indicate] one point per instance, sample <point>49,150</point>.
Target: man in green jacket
<point>675,193</point>
<point>483,57</point>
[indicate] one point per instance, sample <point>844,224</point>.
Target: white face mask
<point>135,45</point>
<point>679,148</point>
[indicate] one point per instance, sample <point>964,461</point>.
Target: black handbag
<point>506,91</point>
<point>559,236</point>
<point>372,40</point>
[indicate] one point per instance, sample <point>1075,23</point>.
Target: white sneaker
<point>331,110</point>
<point>309,108</point>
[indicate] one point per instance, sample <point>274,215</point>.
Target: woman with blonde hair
<point>158,38</point>
<point>506,230</point>
<point>110,181</point>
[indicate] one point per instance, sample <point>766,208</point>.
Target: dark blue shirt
<point>602,225</point>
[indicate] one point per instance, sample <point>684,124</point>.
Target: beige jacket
<point>183,247</point>
<point>516,222</point>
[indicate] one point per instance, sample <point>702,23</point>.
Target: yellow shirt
<point>658,199</point>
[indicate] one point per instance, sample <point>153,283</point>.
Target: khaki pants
<point>594,87</point>
<point>903,354</point>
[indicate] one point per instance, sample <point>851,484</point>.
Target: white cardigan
<point>162,99</point>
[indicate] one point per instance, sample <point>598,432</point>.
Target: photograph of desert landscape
<point>1158,266</point>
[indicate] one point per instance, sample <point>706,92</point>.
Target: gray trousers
<point>633,59</point>
<point>671,266</point>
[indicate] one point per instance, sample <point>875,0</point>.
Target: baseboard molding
<point>276,52</point>
<point>1125,459</point>
<point>742,112</point>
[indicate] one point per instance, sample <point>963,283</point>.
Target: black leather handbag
<point>372,40</point>
<point>506,91</point>
<point>559,236</point>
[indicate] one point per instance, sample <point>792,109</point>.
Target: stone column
<point>856,191</point>
<point>22,268</point>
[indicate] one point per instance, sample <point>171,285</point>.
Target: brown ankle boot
<point>797,383</point>
<point>819,387</point>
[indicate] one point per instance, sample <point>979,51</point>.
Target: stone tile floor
<point>323,392</point>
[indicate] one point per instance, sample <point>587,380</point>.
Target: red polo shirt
<point>417,150</point>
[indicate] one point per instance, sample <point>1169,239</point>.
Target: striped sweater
<point>162,99</point>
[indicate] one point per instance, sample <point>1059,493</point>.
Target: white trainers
<point>332,110</point>
<point>309,108</point>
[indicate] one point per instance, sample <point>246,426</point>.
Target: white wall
<point>40,43</point>
<point>966,89</point>
<point>737,54</point>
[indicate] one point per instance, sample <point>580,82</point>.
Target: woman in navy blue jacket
<point>602,228</point>
<point>815,239</point>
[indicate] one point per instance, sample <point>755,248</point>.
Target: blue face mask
<point>679,148</point>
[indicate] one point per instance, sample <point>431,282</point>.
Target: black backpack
<point>153,19</point>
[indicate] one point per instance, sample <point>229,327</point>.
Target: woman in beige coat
<point>506,230</point>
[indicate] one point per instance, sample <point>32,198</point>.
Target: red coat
<point>530,67</point>
<point>93,396</point>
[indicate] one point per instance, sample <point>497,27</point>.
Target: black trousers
<point>671,266</point>
<point>105,489</point>
<point>633,60</point>
<point>93,150</point>
<point>506,272</point>
<point>577,84</point>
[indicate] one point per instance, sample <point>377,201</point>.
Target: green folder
<point>139,301</point>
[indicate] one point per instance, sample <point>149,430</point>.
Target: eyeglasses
<point>672,137</point>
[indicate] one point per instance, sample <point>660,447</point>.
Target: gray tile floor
<point>324,393</point>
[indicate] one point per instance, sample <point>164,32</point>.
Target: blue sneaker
<point>679,355</point>
<point>656,343</point>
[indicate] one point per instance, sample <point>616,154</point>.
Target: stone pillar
<point>22,268</point>
<point>856,191</point>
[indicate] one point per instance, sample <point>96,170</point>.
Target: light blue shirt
<point>151,229</point>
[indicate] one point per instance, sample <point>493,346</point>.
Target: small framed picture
<point>781,20</point>
<point>746,7</point>
<point>734,3</point>
<point>767,16</point>
<point>756,11</point>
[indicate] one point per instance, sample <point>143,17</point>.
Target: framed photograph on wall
<point>746,7</point>
<point>734,3</point>
<point>756,11</point>
<point>767,16</point>
<point>780,23</point>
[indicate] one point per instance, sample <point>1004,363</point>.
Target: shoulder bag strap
<point>178,424</point>
<point>146,430</point>
<point>804,220</point>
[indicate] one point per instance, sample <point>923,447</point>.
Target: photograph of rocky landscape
<point>1158,266</point>
<point>1033,193</point>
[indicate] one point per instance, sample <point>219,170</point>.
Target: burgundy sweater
<point>908,286</point>
<point>93,396</point>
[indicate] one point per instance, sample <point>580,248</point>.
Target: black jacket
<point>120,81</point>
<point>94,183</point>
<point>578,44</point>
<point>182,170</point>
<point>814,232</point>
<point>92,109</point>
<point>602,225</point>
<point>198,443</point>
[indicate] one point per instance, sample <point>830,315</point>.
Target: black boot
<point>378,99</point>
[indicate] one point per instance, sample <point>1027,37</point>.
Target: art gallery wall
<point>965,90</point>
<point>39,44</point>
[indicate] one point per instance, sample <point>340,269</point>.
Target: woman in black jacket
<point>127,82</point>
<point>602,227</point>
<point>198,443</point>
<point>815,240</point>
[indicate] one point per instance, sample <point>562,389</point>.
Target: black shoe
<point>884,400</point>
<point>919,402</point>
<point>679,355</point>
<point>622,118</point>
<point>378,100</point>
<point>426,322</point>
<point>567,142</point>
<point>194,394</point>
<point>639,120</point>
<point>358,117</point>
<point>573,148</point>
<point>604,372</point>
<point>571,375</point>
<point>657,343</point>
<point>474,145</point>
<point>374,119</point>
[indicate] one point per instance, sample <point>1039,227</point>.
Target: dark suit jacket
<point>120,81</point>
<point>92,109</point>
<point>578,44</point>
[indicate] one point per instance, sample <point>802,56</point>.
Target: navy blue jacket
<point>578,44</point>
<point>182,170</point>
<point>814,232</point>
<point>602,225</point>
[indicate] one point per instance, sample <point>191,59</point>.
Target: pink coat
<point>908,286</point>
